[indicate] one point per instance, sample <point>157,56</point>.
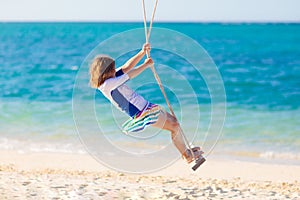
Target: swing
<point>199,161</point>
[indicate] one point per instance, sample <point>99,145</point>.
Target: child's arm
<point>135,72</point>
<point>135,59</point>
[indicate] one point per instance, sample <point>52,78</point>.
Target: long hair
<point>100,70</point>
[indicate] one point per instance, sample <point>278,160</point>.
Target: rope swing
<point>147,35</point>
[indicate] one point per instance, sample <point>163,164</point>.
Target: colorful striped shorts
<point>143,119</point>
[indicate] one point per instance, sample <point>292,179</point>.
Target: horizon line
<point>160,22</point>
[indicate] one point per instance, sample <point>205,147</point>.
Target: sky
<point>167,10</point>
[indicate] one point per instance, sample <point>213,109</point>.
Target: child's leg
<point>167,122</point>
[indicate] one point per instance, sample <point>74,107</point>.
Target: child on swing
<point>111,82</point>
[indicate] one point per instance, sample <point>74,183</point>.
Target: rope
<point>152,18</point>
<point>145,23</point>
<point>147,35</point>
<point>148,32</point>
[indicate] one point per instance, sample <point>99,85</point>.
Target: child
<point>111,82</point>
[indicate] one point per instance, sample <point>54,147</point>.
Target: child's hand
<point>146,47</point>
<point>148,61</point>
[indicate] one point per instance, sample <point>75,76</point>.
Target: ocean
<point>259,65</point>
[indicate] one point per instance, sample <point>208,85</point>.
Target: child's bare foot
<point>188,155</point>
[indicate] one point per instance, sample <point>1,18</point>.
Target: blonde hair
<point>100,70</point>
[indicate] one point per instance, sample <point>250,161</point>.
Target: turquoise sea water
<point>259,64</point>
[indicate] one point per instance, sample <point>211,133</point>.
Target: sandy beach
<point>71,176</point>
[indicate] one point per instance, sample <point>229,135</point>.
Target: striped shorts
<point>143,119</point>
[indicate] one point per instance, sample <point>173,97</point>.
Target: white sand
<point>69,176</point>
